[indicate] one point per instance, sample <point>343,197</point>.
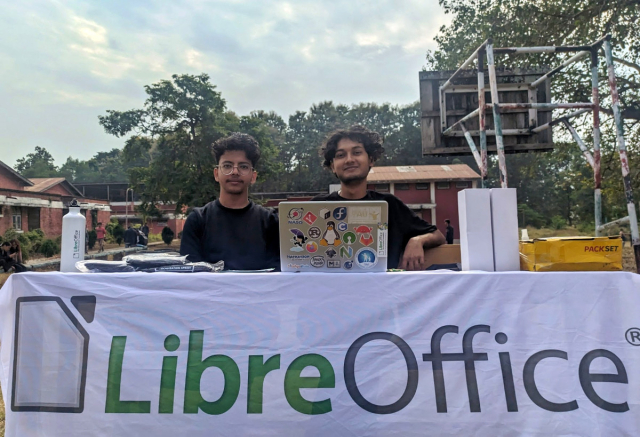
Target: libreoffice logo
<point>51,349</point>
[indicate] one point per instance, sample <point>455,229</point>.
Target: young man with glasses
<point>232,228</point>
<point>349,154</point>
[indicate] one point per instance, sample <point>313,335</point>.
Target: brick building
<point>27,204</point>
<point>123,202</point>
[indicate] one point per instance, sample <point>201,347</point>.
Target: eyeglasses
<point>243,169</point>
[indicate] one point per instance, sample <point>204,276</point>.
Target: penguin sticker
<point>331,237</point>
<point>298,240</point>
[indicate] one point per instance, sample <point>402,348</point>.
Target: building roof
<point>15,174</point>
<point>422,173</point>
<point>40,185</point>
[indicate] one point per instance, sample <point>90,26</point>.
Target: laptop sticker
<point>346,252</point>
<point>310,218</point>
<point>366,258</point>
<point>298,240</point>
<point>331,252</point>
<point>340,213</point>
<point>325,213</point>
<point>312,247</point>
<point>342,226</point>
<point>317,261</point>
<point>349,238</point>
<point>314,233</point>
<point>364,214</point>
<point>331,237</point>
<point>365,234</point>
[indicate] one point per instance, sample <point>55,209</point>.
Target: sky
<point>64,63</point>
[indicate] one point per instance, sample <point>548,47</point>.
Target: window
<point>384,188</point>
<point>423,186</point>
<point>401,187</point>
<point>33,219</point>
<point>462,184</point>
<point>443,185</point>
<point>17,218</point>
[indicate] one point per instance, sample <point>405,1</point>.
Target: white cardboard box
<point>476,236</point>
<point>504,219</point>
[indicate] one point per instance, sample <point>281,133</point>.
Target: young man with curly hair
<point>232,228</point>
<point>349,154</point>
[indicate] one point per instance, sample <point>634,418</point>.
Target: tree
<point>180,120</point>
<point>38,164</point>
<point>559,183</point>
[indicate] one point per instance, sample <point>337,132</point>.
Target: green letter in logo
<point>114,376</point>
<point>196,366</point>
<point>168,378</point>
<point>257,371</point>
<point>293,382</point>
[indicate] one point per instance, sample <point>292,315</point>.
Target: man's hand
<point>413,257</point>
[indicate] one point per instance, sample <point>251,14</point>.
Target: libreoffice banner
<point>310,354</point>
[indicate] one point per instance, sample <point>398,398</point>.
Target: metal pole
<point>462,120</point>
<point>535,130</point>
<point>465,64</point>
<point>545,105</point>
<point>482,119</point>
<point>597,178</point>
<point>581,144</point>
<point>569,61</point>
<point>126,206</point>
<point>622,150</point>
<point>497,119</point>
<point>472,146</point>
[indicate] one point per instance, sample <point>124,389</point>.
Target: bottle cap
<point>74,204</point>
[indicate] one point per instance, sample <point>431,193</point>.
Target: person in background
<point>623,238</point>
<point>100,234</point>
<point>6,261</point>
<point>449,231</point>
<point>145,230</point>
<point>130,237</point>
<point>15,252</point>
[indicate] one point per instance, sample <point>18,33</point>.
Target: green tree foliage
<point>38,164</point>
<point>180,120</point>
<point>558,183</point>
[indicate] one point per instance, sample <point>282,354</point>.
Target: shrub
<point>558,222</point>
<point>118,234</point>
<point>49,248</point>
<point>154,237</point>
<point>92,238</point>
<point>180,235</point>
<point>529,217</point>
<point>167,235</point>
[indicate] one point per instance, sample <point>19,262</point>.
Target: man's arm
<point>190,243</point>
<point>413,257</point>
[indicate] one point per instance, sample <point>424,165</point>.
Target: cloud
<point>68,62</point>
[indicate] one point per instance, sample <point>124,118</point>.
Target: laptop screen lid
<point>335,236</point>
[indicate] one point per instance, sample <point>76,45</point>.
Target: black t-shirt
<point>404,224</point>
<point>245,239</point>
<point>449,236</point>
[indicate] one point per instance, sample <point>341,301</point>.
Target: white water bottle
<point>73,235</point>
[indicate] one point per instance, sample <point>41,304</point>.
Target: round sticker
<point>314,232</point>
<point>348,265</point>
<point>312,247</point>
<point>366,258</point>
<point>295,213</point>
<point>340,213</point>
<point>317,261</point>
<point>342,226</point>
<point>349,237</point>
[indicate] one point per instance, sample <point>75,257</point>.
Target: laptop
<point>339,236</point>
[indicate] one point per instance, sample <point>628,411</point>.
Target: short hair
<point>238,141</point>
<point>5,243</point>
<point>372,142</point>
<point>447,221</point>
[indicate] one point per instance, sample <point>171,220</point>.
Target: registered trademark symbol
<point>633,336</point>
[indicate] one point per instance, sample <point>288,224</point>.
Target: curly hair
<point>238,141</point>
<point>372,142</point>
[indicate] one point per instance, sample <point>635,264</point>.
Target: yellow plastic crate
<point>571,254</point>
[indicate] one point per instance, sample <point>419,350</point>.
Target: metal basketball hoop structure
<point>487,49</point>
